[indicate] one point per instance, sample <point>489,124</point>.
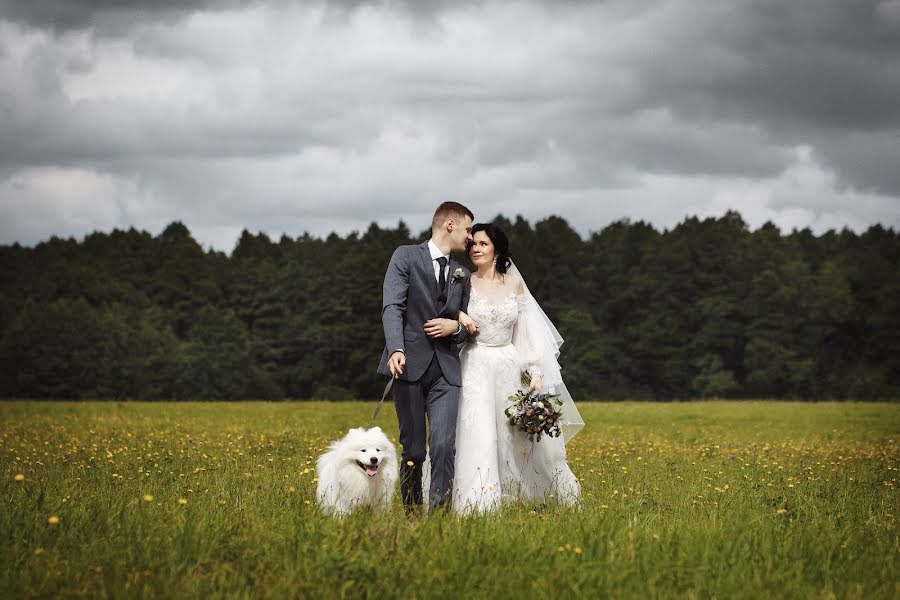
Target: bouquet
<point>535,413</point>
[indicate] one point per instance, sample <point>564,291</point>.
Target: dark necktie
<point>442,279</point>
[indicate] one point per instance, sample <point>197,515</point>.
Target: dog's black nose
<point>374,460</point>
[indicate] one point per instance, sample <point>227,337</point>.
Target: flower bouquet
<point>535,413</point>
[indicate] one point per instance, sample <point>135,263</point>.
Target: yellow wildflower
<point>182,501</point>
<point>148,498</point>
<point>19,477</point>
<point>53,520</point>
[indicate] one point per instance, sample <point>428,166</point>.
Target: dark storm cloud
<point>62,15</point>
<point>116,16</point>
<point>809,72</point>
<point>825,63</point>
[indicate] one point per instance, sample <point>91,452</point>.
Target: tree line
<point>707,309</point>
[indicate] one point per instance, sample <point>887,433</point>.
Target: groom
<point>424,290</point>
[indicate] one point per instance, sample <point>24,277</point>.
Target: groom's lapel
<point>429,271</point>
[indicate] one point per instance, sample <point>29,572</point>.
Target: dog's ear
<point>376,428</point>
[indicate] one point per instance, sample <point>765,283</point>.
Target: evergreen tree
<point>707,309</point>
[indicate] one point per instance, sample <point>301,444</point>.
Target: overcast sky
<point>287,117</point>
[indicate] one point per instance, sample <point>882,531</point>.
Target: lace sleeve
<point>537,341</point>
<point>529,352</point>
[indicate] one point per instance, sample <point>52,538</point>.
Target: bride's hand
<point>536,383</point>
<point>467,322</point>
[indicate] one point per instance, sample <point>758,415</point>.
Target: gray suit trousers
<point>429,395</point>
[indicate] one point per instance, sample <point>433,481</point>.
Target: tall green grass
<point>699,500</point>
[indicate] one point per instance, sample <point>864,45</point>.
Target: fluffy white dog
<point>359,469</point>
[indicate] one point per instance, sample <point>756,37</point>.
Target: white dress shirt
<point>435,254</point>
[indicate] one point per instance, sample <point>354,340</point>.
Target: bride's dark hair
<point>500,241</point>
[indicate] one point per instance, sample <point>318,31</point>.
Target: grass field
<point>698,500</point>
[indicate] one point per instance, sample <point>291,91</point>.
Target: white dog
<point>359,469</point>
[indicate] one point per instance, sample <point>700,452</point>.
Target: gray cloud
<point>289,116</point>
<point>808,72</point>
<point>830,63</point>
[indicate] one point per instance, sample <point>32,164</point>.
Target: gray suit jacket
<point>410,299</point>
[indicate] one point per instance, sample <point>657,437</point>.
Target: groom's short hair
<point>448,210</point>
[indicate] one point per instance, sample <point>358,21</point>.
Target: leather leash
<point>387,390</point>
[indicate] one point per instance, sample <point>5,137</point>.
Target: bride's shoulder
<point>515,283</point>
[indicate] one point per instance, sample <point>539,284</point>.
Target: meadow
<point>694,500</point>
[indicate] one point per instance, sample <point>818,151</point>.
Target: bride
<point>511,335</point>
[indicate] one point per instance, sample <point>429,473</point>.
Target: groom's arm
<point>395,292</point>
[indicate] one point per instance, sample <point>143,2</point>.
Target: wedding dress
<point>495,463</point>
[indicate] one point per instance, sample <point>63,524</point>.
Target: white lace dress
<point>494,463</point>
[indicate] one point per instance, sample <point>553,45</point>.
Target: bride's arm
<point>467,322</point>
<point>528,351</point>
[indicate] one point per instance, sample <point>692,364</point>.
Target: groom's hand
<point>396,363</point>
<point>438,328</point>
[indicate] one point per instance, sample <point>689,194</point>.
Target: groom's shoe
<point>411,488</point>
<point>439,509</point>
<point>440,502</point>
